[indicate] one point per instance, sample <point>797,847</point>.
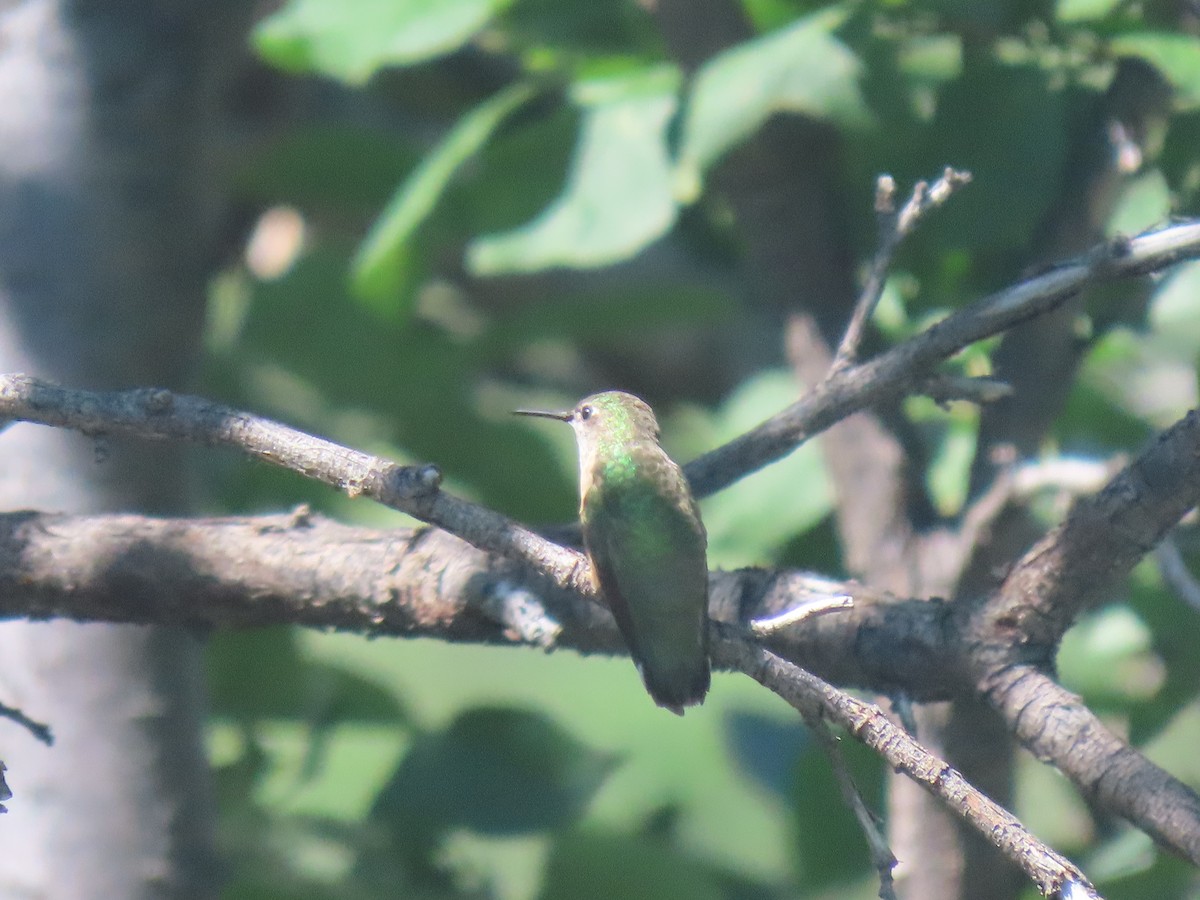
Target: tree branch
<point>240,573</point>
<point>1009,640</point>
<point>1074,566</point>
<point>159,414</point>
<point>303,569</point>
<point>904,368</point>
<point>39,730</point>
<point>894,227</point>
<point>814,698</point>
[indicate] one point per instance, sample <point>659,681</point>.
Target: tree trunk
<point>108,208</point>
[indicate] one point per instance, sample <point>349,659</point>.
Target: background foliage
<point>481,204</point>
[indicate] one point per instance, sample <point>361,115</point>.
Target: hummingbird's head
<point>605,421</point>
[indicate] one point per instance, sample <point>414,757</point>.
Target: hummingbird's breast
<point>638,489</point>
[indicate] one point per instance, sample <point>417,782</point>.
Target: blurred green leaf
<point>758,515</point>
<point>994,113</point>
<point>259,677</point>
<point>1145,202</point>
<point>1048,804</point>
<point>1176,55</point>
<point>1172,624</point>
<point>800,68</point>
<point>517,174</point>
<point>830,845</point>
<point>495,771</point>
<point>767,749</point>
<point>950,464</point>
<point>1128,852</point>
<point>572,34</point>
<point>1146,376</point>
<point>257,674</point>
<point>618,193</point>
<point>615,315</point>
<point>1107,657</point>
<point>380,261</point>
<point>1173,310</point>
<point>1092,421</point>
<point>1082,10</point>
<point>587,865</point>
<point>392,386</point>
<point>351,42</point>
<point>349,169</point>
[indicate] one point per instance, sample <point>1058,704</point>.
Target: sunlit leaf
<point>800,68</point>
<point>1082,10</point>
<point>618,193</point>
<point>495,771</point>
<point>1144,203</point>
<point>1176,55</point>
<point>351,41</point>
<point>377,269</point>
<point>1108,657</point>
<point>761,513</point>
<point>1173,310</point>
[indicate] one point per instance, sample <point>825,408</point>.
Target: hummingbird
<point>645,541</point>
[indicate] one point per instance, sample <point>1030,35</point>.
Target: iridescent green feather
<point>643,532</point>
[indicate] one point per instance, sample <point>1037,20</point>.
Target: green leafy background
<point>551,151</point>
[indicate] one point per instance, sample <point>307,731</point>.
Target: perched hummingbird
<point>643,535</point>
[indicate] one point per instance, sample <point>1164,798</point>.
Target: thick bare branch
<point>304,569</point>
<point>1077,564</point>
<point>1010,639</point>
<point>307,570</point>
<point>299,568</point>
<point>1058,728</point>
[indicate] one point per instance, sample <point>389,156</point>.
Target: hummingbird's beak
<point>561,416</point>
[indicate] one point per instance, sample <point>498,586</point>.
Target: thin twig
<point>817,606</point>
<point>37,729</point>
<point>1066,474</point>
<point>894,227</point>
<point>943,389</point>
<point>881,854</point>
<point>1175,573</point>
<point>813,697</point>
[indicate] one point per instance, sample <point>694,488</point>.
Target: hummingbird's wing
<point>647,547</point>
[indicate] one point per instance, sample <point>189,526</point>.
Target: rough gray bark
<point>107,215</point>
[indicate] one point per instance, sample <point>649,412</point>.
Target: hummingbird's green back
<point>643,532</point>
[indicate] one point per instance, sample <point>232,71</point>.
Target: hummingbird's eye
<point>585,412</point>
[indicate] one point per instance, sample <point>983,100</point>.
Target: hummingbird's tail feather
<point>677,689</point>
<point>648,563</point>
